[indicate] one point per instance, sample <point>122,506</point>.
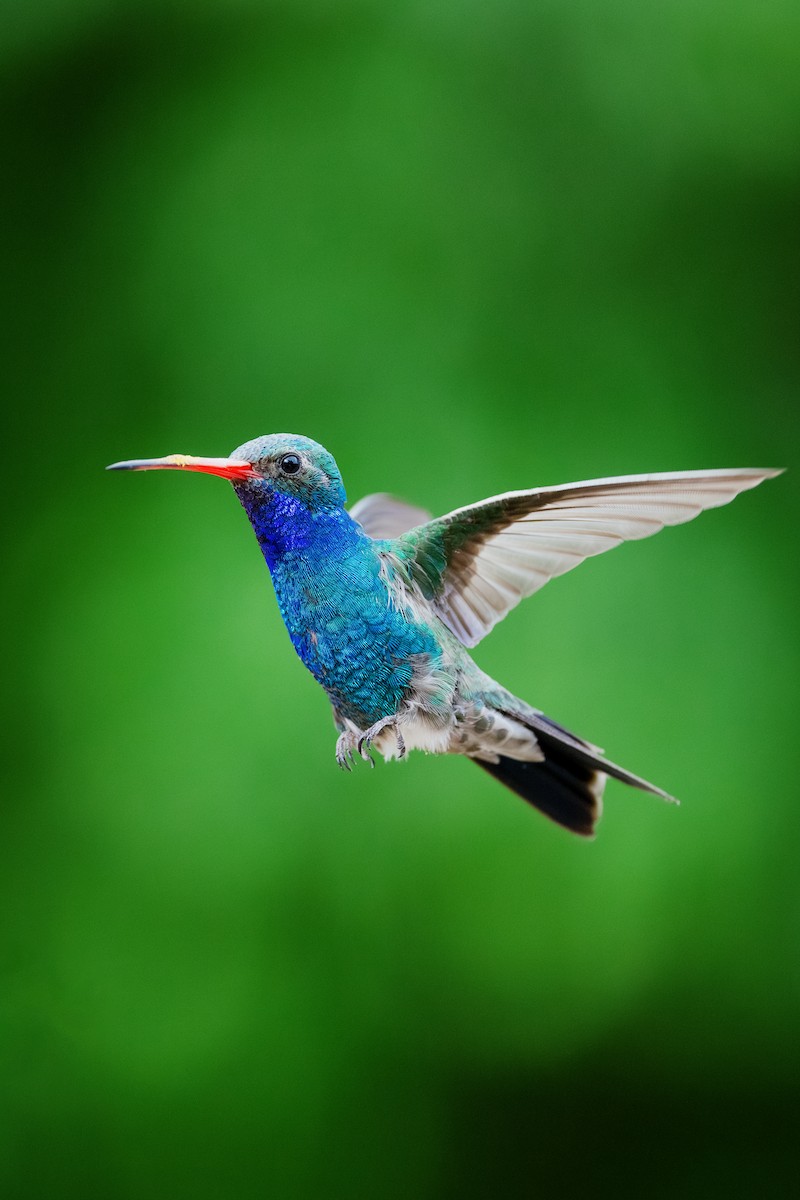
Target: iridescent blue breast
<point>346,631</point>
<point>338,610</point>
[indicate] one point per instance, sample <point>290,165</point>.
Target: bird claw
<point>363,749</point>
<point>366,739</point>
<point>350,745</point>
<point>346,750</point>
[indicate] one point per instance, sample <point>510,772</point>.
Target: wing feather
<point>476,563</point>
<point>383,516</point>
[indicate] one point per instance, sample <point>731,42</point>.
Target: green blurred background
<point>469,248</point>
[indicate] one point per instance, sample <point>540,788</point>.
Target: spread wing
<point>477,563</point>
<point>383,516</point>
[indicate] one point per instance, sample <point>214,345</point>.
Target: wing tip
<point>757,473</point>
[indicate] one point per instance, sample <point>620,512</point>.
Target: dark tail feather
<point>568,785</point>
<point>567,793</point>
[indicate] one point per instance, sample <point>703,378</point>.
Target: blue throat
<point>285,526</point>
<point>336,604</point>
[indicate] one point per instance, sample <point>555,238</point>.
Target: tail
<point>568,785</point>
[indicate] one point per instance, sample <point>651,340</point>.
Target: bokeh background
<point>469,248</point>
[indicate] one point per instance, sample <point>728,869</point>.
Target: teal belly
<point>357,646</point>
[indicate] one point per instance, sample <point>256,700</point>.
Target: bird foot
<point>346,747</point>
<point>366,739</point>
<point>349,745</point>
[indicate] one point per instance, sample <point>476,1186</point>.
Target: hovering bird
<point>382,603</point>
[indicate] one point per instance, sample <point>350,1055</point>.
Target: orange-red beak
<point>227,468</point>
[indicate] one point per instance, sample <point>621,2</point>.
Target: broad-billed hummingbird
<point>381,603</point>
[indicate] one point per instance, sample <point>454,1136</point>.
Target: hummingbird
<point>383,603</point>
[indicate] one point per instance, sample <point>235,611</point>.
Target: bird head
<point>284,463</point>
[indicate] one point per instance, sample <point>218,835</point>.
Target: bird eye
<point>290,464</point>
